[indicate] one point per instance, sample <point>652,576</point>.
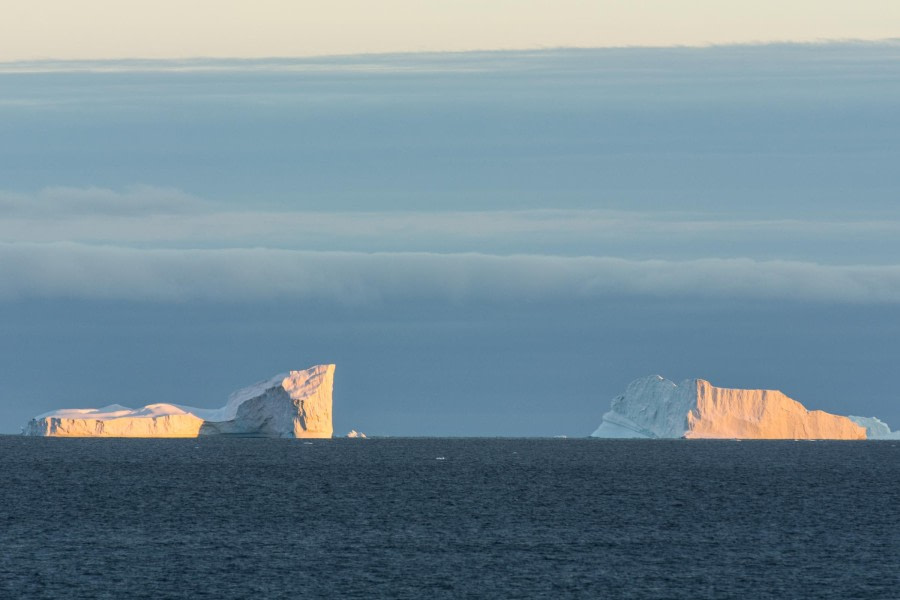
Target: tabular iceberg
<point>293,405</point>
<point>654,407</point>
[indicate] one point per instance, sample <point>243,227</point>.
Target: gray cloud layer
<point>773,128</point>
<point>163,244</point>
<point>147,216</point>
<point>81,271</point>
<point>67,202</point>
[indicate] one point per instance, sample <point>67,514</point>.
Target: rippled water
<point>238,518</point>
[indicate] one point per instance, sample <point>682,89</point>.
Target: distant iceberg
<point>293,405</point>
<point>654,407</point>
<point>876,429</point>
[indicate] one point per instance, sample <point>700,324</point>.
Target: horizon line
<point>193,60</point>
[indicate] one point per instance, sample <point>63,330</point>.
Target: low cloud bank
<point>166,217</point>
<point>352,278</point>
<point>71,202</point>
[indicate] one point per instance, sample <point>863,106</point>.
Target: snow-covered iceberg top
<point>293,404</point>
<point>654,407</point>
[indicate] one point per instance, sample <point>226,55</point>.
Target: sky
<point>111,29</point>
<point>489,242</point>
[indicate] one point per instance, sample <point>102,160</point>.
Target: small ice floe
<point>440,458</point>
<point>356,434</point>
<point>562,437</point>
<point>307,443</point>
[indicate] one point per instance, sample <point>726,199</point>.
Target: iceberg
<point>290,405</point>
<point>876,429</point>
<point>154,420</point>
<point>654,407</point>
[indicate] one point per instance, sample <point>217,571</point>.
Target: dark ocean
<point>448,518</point>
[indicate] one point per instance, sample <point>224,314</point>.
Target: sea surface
<point>448,518</point>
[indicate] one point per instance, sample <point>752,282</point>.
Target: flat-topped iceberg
<point>654,407</point>
<point>293,405</point>
<point>154,420</point>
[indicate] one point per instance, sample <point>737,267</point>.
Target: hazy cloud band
<point>351,278</point>
<point>153,217</point>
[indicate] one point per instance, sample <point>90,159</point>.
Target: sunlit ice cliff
<point>654,407</point>
<point>292,405</point>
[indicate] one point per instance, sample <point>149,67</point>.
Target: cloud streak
<point>353,279</point>
<point>72,202</point>
<point>148,216</point>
